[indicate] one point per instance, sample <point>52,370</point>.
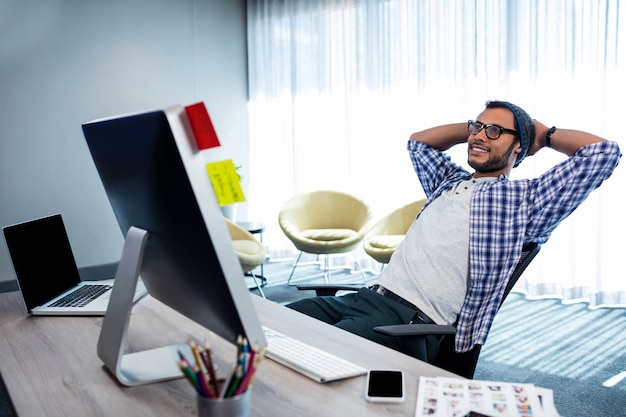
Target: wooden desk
<point>50,367</point>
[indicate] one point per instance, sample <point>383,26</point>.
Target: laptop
<point>47,274</point>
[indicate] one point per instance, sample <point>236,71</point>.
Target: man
<point>456,258</point>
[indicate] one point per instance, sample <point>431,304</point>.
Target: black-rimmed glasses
<point>492,131</point>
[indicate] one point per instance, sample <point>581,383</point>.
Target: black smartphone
<point>385,386</point>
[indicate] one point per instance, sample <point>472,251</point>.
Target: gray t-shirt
<point>430,268</point>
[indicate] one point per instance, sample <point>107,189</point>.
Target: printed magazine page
<point>452,397</point>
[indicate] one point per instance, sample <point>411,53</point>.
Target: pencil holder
<point>237,406</point>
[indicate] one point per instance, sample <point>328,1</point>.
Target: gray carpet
<point>567,348</point>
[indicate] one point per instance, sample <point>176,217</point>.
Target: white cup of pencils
<point>229,397</point>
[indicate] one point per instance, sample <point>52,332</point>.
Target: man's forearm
<point>443,137</point>
<point>567,141</point>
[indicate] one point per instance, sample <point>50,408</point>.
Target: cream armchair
<point>324,222</point>
<point>249,250</point>
<point>384,237</point>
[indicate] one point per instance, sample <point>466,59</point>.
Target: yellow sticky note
<point>226,182</point>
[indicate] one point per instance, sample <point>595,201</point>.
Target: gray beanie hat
<point>523,123</point>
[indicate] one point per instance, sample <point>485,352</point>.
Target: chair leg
<point>358,265</point>
<point>258,286</point>
<point>326,269</point>
<point>295,264</point>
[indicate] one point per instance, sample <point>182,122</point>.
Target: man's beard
<point>493,163</point>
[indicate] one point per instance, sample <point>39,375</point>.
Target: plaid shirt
<point>505,215</point>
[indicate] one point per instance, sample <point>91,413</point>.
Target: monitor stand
<point>136,368</point>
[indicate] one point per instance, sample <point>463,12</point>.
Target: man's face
<point>493,157</point>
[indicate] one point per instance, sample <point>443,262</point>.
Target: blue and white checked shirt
<point>505,215</point>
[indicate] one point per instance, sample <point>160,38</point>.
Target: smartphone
<point>385,386</point>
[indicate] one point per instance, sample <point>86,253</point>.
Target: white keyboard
<point>308,360</point>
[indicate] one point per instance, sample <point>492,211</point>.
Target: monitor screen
<point>156,180</point>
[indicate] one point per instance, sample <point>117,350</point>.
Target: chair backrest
<point>398,221</point>
<point>382,239</point>
<point>250,251</point>
<point>237,232</point>
<point>325,209</point>
<point>464,364</point>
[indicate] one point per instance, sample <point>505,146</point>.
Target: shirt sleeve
<point>559,191</point>
<point>432,166</point>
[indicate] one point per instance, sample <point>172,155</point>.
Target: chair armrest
<point>413,337</point>
<point>404,330</point>
<point>328,289</point>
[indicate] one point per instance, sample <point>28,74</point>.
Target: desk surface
<point>50,367</point>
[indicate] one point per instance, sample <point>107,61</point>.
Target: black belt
<point>379,289</point>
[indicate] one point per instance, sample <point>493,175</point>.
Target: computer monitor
<point>156,181</point>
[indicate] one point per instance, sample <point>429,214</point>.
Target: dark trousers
<point>359,313</point>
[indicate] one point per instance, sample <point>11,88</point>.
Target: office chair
<point>413,336</point>
<point>324,222</point>
<point>382,239</point>
<point>250,252</point>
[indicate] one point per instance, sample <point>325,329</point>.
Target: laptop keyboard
<point>81,296</point>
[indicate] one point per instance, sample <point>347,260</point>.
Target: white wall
<point>65,62</point>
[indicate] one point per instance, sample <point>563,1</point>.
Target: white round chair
<point>249,250</point>
<point>385,235</point>
<point>324,222</point>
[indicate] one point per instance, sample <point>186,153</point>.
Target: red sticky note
<point>202,126</point>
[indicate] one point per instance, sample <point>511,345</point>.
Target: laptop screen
<point>42,259</point>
